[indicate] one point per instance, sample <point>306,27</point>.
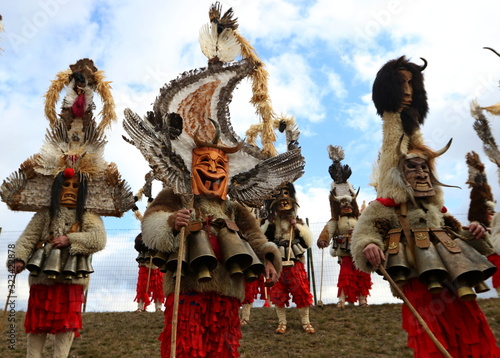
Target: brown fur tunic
<point>158,233</point>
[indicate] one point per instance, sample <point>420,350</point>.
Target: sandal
<point>281,328</point>
<point>308,328</point>
<point>340,304</point>
<point>243,321</point>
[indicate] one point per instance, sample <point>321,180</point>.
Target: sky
<point>322,57</point>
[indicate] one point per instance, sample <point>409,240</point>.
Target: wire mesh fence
<point>113,284</point>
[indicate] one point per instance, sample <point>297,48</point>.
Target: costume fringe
<point>352,281</point>
<point>459,325</point>
<point>155,289</point>
<point>208,326</point>
<point>292,282</point>
<point>54,309</point>
<point>495,260</point>
<point>256,290</point>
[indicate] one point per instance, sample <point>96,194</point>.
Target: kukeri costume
<point>424,246</point>
<point>191,147</point>
<point>149,280</point>
<point>293,237</point>
<point>353,284</point>
<point>68,184</point>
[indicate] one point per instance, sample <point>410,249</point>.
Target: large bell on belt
<point>89,265</point>
<point>82,266</point>
<point>234,252</point>
<point>298,250</point>
<point>461,270</point>
<point>69,270</point>
<point>397,265</point>
<point>431,269</point>
<point>52,265</point>
<point>140,258</point>
<point>160,259</point>
<point>256,268</point>
<point>35,262</point>
<point>481,287</point>
<point>202,258</point>
<point>171,264</point>
<point>480,261</point>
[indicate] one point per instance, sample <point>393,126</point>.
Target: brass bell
<point>430,268</point>
<point>202,258</point>
<point>234,252</point>
<point>52,266</point>
<point>481,287</point>
<point>89,265</point>
<point>171,264</point>
<point>160,259</point>
<point>397,266</point>
<point>140,258</point>
<point>480,261</point>
<point>82,266</point>
<point>461,270</point>
<point>464,290</point>
<point>256,268</point>
<point>35,262</point>
<point>298,250</point>
<point>69,270</point>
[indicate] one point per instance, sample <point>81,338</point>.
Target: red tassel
<point>292,282</point>
<point>387,202</point>
<point>78,107</point>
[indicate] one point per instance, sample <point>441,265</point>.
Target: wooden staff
<point>182,250</point>
<point>149,278</point>
<point>415,313</point>
<point>320,302</point>
<point>289,262</point>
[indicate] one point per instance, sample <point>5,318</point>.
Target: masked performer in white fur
<point>191,147</point>
<point>481,210</point>
<point>293,237</point>
<point>68,184</point>
<point>353,284</point>
<point>409,232</point>
<point>149,286</point>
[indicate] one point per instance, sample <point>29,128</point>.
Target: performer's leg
<point>62,344</point>
<point>35,343</point>
<point>281,312</point>
<point>341,303</point>
<point>140,306</point>
<point>245,313</point>
<point>158,306</point>
<point>362,301</point>
<point>304,319</point>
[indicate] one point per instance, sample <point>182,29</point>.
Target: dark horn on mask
<point>489,48</point>
<point>424,66</point>
<point>443,150</point>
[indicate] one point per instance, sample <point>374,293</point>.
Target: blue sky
<point>322,57</point>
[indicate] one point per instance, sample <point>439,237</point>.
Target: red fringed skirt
<point>54,309</point>
<point>459,325</point>
<point>292,282</point>
<point>155,289</point>
<point>495,260</point>
<point>256,290</point>
<point>352,281</point>
<point>208,325</point>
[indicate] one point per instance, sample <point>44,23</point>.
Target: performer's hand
<point>476,229</point>
<point>373,254</point>
<point>322,244</point>
<point>294,223</point>
<point>19,266</point>
<point>182,219</point>
<point>60,242</point>
<point>271,274</point>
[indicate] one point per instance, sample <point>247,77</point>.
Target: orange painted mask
<point>210,171</point>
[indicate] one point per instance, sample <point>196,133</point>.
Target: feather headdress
<point>195,107</point>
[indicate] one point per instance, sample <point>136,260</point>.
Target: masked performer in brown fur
<point>423,249</point>
<point>69,185</point>
<point>210,176</point>
<point>283,227</point>
<point>353,284</point>
<point>149,280</point>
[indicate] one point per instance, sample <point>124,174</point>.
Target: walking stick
<point>6,303</point>
<point>415,313</point>
<point>320,302</point>
<point>182,249</point>
<point>289,262</point>
<point>149,278</point>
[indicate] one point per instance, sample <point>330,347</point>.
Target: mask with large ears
<point>210,172</point>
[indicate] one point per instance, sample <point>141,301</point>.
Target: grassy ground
<point>354,332</point>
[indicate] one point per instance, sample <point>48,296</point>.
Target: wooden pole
<point>320,302</point>
<point>6,303</point>
<point>415,313</point>
<point>149,278</point>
